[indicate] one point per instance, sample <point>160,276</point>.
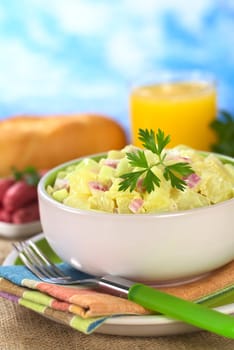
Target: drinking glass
<point>181,103</point>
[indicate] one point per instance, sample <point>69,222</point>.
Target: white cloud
<point>79,16</point>
<point>40,33</point>
<point>130,52</point>
<point>32,22</point>
<point>26,73</point>
<point>221,50</point>
<point>124,55</point>
<point>144,8</point>
<point>132,49</point>
<point>190,13</point>
<point>98,90</point>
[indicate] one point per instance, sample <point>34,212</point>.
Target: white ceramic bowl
<point>145,247</point>
<point>16,231</point>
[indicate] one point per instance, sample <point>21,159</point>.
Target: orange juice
<point>182,109</point>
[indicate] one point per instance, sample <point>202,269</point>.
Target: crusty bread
<point>47,141</point>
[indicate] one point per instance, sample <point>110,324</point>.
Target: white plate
<point>19,230</point>
<point>137,325</point>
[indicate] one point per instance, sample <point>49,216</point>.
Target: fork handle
<point>180,309</point>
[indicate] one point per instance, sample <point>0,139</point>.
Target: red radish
<point>5,183</point>
<point>19,195</point>
<point>5,216</point>
<point>28,213</point>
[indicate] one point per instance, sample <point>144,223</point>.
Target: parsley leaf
<point>174,172</point>
<point>150,180</point>
<point>148,139</point>
<point>162,141</point>
<point>224,129</point>
<point>156,143</point>
<point>137,159</point>
<point>130,180</point>
<point>29,174</point>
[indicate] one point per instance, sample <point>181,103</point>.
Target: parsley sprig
<point>156,143</point>
<point>30,175</point>
<point>224,129</point>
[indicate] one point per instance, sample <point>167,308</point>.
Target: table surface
<point>23,329</point>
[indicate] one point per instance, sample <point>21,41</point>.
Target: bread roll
<point>44,142</point>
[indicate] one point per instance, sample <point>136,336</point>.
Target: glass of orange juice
<point>182,104</point>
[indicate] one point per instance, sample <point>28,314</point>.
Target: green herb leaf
<point>29,174</point>
<point>137,159</point>
<point>224,129</point>
<point>150,181</point>
<point>176,172</point>
<point>162,141</point>
<point>156,143</point>
<point>148,139</point>
<point>176,182</point>
<point>17,174</point>
<point>130,180</point>
<point>182,169</point>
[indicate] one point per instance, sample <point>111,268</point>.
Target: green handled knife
<point>171,306</point>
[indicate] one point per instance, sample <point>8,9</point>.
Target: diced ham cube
<point>192,180</point>
<point>94,185</point>
<point>139,186</point>
<point>113,163</point>
<point>135,205</point>
<point>61,183</point>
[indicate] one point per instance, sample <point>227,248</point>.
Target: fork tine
<point>37,261</point>
<point>46,260</point>
<point>32,259</point>
<point>27,262</point>
<point>45,270</point>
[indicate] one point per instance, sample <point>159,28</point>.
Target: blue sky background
<point>62,56</point>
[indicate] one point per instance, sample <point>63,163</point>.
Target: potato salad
<point>93,184</point>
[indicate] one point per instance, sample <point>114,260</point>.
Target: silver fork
<point>195,314</point>
<point>41,266</point>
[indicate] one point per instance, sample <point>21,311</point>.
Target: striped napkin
<point>86,309</point>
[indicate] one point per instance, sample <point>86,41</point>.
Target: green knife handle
<point>189,312</point>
